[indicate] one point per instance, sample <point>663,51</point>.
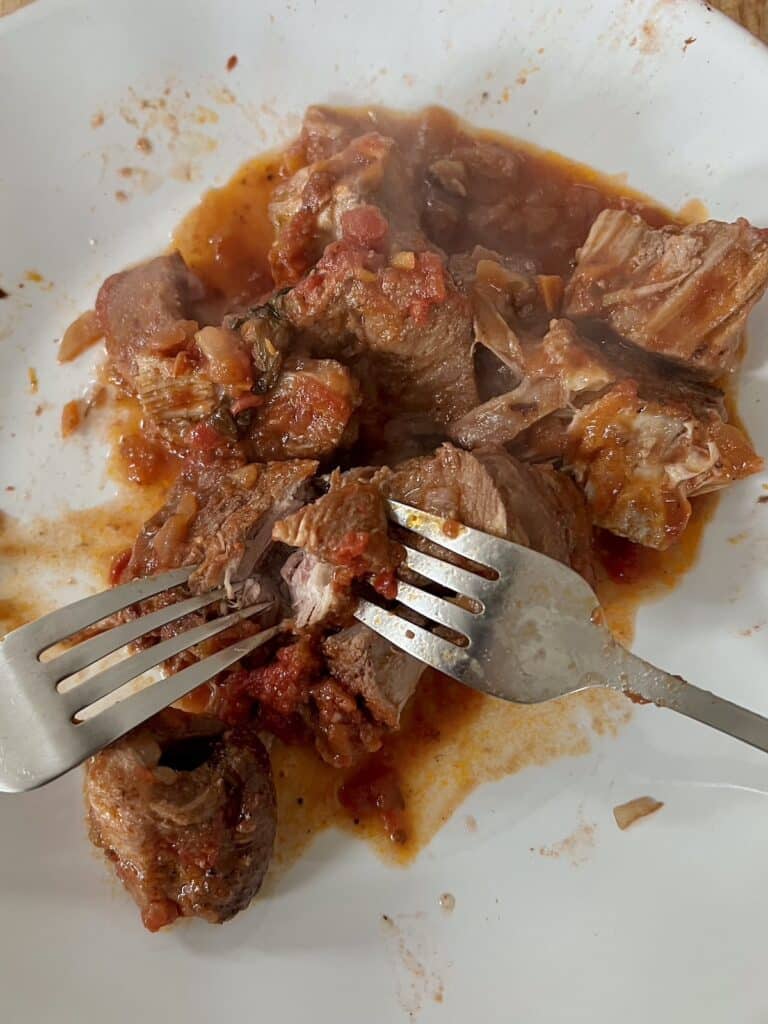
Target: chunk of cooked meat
<point>185,811</point>
<point>476,190</point>
<point>378,674</point>
<point>147,310</point>
<point>187,378</point>
<point>360,193</point>
<point>404,315</point>
<point>502,418</point>
<point>640,461</point>
<point>324,131</point>
<point>546,506</point>
<point>316,594</point>
<point>343,732</point>
<point>307,414</point>
<point>492,491</point>
<point>343,536</point>
<point>564,370</point>
<point>218,518</point>
<point>680,292</point>
<point>202,388</point>
<point>347,527</point>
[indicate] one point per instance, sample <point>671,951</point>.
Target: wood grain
<point>753,14</point>
<point>8,6</point>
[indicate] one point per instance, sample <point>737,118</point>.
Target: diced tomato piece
<point>365,225</point>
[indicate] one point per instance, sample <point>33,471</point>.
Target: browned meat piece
<point>546,505</point>
<point>308,412</point>
<point>360,193</point>
<point>294,696</point>
<point>219,518</point>
<point>325,131</point>
<point>347,527</point>
<point>564,370</point>
<point>492,491</point>
<point>454,484</point>
<point>148,310</point>
<point>476,190</point>
<point>682,293</point>
<point>343,536</point>
<point>502,418</point>
<point>640,461</point>
<point>404,315</point>
<point>186,813</point>
<point>184,377</point>
<point>382,677</point>
<point>343,732</point>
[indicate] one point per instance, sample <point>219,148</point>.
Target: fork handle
<point>644,683</point>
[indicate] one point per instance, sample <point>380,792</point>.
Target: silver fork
<point>533,634</point>
<point>41,732</point>
<point>535,631</point>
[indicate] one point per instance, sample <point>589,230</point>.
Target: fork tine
<point>480,547</point>
<point>115,676</point>
<point>435,608</point>
<point>451,576</point>
<point>58,625</point>
<point>118,719</point>
<point>420,643</point>
<point>89,651</point>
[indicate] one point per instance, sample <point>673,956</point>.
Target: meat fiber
<point>680,292</point>
<point>185,811</point>
<point>347,527</point>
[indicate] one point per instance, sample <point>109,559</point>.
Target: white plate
<point>665,922</point>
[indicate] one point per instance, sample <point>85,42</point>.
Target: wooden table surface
<point>751,13</point>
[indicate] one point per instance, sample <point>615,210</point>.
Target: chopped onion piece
<point>404,260</point>
<point>628,813</point>
<point>80,335</point>
<point>71,417</point>
<point>227,360</point>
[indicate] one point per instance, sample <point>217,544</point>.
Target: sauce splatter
<point>44,555</point>
<point>575,847</point>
